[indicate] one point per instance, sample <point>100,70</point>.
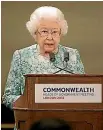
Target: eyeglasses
<point>46,32</point>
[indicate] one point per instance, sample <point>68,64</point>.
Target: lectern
<point>80,116</point>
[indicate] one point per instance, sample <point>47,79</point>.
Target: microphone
<point>66,56</point>
<point>66,59</point>
<point>52,57</point>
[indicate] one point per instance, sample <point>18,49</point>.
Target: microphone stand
<point>52,59</point>
<point>60,69</point>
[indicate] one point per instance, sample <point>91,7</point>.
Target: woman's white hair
<point>46,12</point>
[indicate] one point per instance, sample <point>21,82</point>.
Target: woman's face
<point>48,35</point>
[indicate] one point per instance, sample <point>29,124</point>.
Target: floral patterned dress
<point>29,61</point>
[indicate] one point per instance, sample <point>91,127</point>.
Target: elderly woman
<point>47,25</point>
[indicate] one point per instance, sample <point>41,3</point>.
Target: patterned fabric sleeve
<point>79,64</point>
<point>13,85</point>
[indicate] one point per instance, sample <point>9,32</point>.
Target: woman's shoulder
<point>29,48</point>
<point>26,52</point>
<point>68,49</point>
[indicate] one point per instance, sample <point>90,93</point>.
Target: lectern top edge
<point>62,75</point>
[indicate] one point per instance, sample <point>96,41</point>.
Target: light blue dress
<point>29,61</point>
